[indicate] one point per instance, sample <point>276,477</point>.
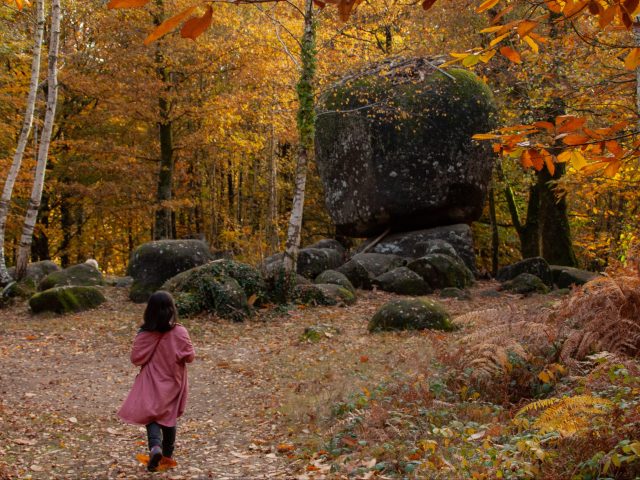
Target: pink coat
<point>159,392</point>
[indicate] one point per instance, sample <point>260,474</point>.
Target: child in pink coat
<point>162,348</point>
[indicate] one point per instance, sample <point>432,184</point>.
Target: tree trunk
<point>557,248</point>
<point>495,237</point>
<point>7,191</point>
<point>272,219</point>
<point>45,140</point>
<point>306,129</point>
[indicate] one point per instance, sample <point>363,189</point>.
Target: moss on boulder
<point>525,283</point>
<point>323,294</point>
<point>79,275</point>
<point>403,281</point>
<point>313,261</point>
<point>411,314</point>
<point>66,299</point>
<point>335,278</point>
<point>442,271</point>
<point>36,271</point>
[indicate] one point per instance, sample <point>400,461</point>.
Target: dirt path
<point>254,387</point>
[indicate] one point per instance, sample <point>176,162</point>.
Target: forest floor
<point>261,397</point>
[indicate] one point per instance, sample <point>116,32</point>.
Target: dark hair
<point>161,313</point>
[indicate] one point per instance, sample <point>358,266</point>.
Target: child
<point>162,348</point>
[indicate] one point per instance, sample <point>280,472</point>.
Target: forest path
<point>253,387</point>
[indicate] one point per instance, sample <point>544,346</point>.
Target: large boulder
<point>224,287</point>
<point>66,299</point>
<point>525,283</point>
<point>83,274</point>
<point>394,148</point>
<point>364,267</point>
<point>36,271</point>
<point>323,294</point>
<point>154,263</point>
<point>411,314</point>
<point>537,266</point>
<point>313,261</point>
<point>335,278</point>
<point>403,281</point>
<point>441,271</point>
<point>329,243</point>
<point>419,243</point>
<point>565,277</point>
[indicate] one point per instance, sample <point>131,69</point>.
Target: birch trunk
<point>45,141</point>
<point>306,129</point>
<point>7,191</point>
<point>272,221</point>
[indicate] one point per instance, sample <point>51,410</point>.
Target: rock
<point>323,294</point>
<point>489,293</point>
<point>220,294</point>
<point>419,243</point>
<point>335,278</point>
<point>313,261</point>
<point>329,243</point>
<point>537,266</point>
<point>66,299</point>
<point>78,275</point>
<point>411,314</point>
<point>37,271</point>
<point>123,282</point>
<point>453,292</point>
<point>315,333</point>
<point>364,267</point>
<point>525,283</point>
<point>224,287</point>
<point>403,281</point>
<point>442,271</point>
<point>410,161</point>
<point>565,277</point>
<point>154,263</point>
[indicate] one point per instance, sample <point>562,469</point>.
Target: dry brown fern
<point>604,315</point>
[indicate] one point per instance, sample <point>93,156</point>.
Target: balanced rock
<point>537,266</point>
<point>66,299</point>
<point>83,274</point>
<point>394,148</point>
<point>403,281</point>
<point>411,314</point>
<point>153,263</point>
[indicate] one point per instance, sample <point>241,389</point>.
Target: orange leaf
<point>364,359</point>
<point>571,9</point>
<point>194,27</point>
<point>427,4</point>
<point>614,147</point>
<point>571,124</point>
<point>486,5</point>
<point>548,161</point>
<point>548,126</point>
<point>344,9</point>
<point>525,160</point>
<point>631,6</point>
<point>285,447</point>
<point>595,8</point>
<point>511,54</point>
<point>168,25</point>
<point>575,139</point>
<point>525,27</point>
<point>127,3</point>
<point>553,6</point>
<point>319,4</point>
<point>19,4</point>
<point>607,17</point>
<point>612,168</point>
<point>632,60</point>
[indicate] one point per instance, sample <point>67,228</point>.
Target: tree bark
<point>45,141</point>
<point>495,237</point>
<point>7,191</point>
<point>272,219</point>
<point>306,129</point>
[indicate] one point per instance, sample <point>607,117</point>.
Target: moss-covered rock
<point>323,294</point>
<point>442,271</point>
<point>313,261</point>
<point>154,263</point>
<point>537,266</point>
<point>378,164</point>
<point>79,275</point>
<point>315,333</point>
<point>453,292</point>
<point>525,283</point>
<point>411,314</point>
<point>403,281</point>
<point>335,278</point>
<point>364,267</point>
<point>66,299</point>
<point>220,294</point>
<point>36,271</point>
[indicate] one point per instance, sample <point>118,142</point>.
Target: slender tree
<point>45,141</point>
<point>7,191</point>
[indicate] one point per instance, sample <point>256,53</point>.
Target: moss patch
<point>411,314</point>
<point>66,299</point>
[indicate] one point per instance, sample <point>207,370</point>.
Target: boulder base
<point>66,299</point>
<point>565,277</point>
<point>537,266</point>
<point>403,281</point>
<point>411,314</point>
